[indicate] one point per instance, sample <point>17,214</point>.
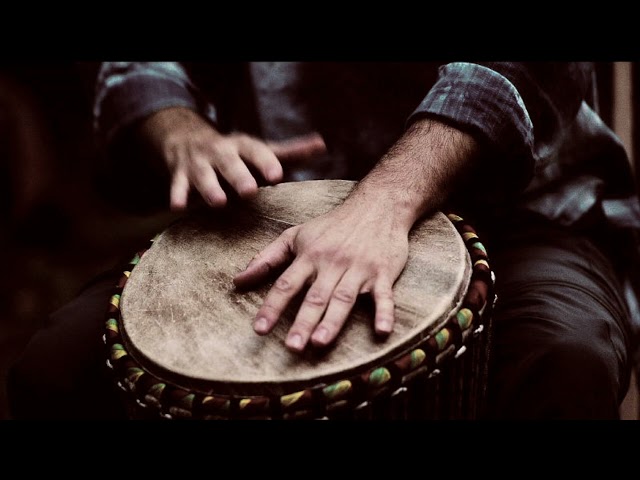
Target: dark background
<point>57,230</point>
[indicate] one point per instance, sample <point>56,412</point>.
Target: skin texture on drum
<point>184,321</point>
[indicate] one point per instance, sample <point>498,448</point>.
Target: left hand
<point>354,249</point>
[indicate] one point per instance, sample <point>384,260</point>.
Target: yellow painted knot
<point>337,390</point>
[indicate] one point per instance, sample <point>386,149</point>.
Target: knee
<point>580,364</point>
<point>561,377</point>
<point>585,379</point>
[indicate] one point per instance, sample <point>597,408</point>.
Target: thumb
<point>270,260</point>
<point>299,148</point>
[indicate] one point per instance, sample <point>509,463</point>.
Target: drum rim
<point>316,367</point>
<point>190,401</point>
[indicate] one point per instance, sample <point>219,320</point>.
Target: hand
<point>197,154</point>
<point>361,246</point>
<point>354,249</point>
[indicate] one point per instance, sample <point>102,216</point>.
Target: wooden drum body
<point>180,340</point>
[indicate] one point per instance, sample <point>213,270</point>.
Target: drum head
<point>183,320</point>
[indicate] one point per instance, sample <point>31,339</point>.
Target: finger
<point>179,191</point>
<point>206,182</point>
<point>236,173</point>
<point>342,300</point>
<point>299,148</point>
<point>261,157</point>
<point>270,259</point>
<point>285,288</point>
<point>312,309</point>
<point>385,307</point>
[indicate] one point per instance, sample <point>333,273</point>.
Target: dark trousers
<point>62,373</point>
<point>562,337</point>
<point>560,348</point>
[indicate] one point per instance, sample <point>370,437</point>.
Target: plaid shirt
<point>548,150</point>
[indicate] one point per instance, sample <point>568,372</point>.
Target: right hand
<point>196,154</point>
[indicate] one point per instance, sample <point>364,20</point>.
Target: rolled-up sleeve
<point>520,111</point>
<point>128,91</point>
<point>481,100</point>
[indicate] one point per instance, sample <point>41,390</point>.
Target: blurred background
<point>58,232</point>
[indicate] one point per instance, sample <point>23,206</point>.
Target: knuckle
<point>289,233</point>
<point>338,257</point>
<point>315,298</point>
<point>344,295</point>
<point>223,152</point>
<point>283,285</point>
<point>173,140</point>
<point>386,295</point>
<point>317,252</point>
<point>237,136</point>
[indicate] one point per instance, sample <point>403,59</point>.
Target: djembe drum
<point>180,341</point>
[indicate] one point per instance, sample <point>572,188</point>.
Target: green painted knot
<point>379,377</point>
<point>337,390</point>
<point>464,317</point>
<point>117,351</point>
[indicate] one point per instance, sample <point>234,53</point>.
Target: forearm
<point>419,173</point>
<point>521,113</point>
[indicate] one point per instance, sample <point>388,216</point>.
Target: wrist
<point>385,203</point>
<point>158,127</point>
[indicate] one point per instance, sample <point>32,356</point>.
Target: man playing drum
<point>516,147</point>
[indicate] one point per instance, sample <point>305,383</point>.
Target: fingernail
<point>260,325</point>
<point>384,326</point>
<point>321,335</point>
<point>295,341</point>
